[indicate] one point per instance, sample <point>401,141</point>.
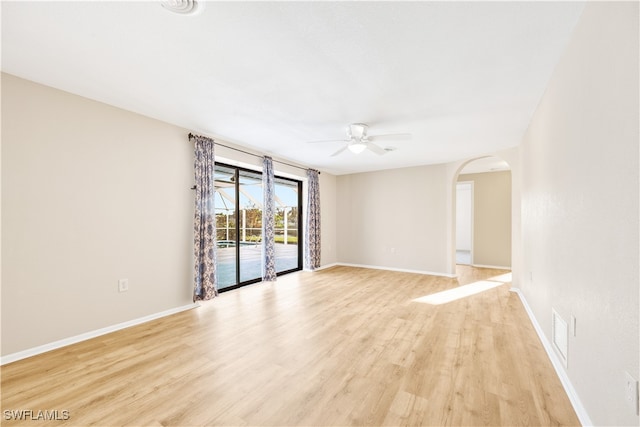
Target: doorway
<point>464,223</point>
<point>482,214</point>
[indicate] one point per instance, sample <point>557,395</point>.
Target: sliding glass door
<point>250,222</point>
<point>288,249</point>
<point>238,203</point>
<point>226,229</point>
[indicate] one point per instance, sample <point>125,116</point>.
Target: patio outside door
<point>238,203</point>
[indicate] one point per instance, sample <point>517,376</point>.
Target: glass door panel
<point>250,221</point>
<point>287,223</point>
<point>225,204</point>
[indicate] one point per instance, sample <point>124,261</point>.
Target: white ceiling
<point>462,77</point>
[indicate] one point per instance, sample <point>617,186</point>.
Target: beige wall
<point>91,194</point>
<point>328,219</point>
<point>491,218</point>
<point>410,211</point>
<point>394,219</point>
<point>580,207</point>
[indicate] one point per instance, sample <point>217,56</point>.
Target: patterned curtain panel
<point>312,227</point>
<point>268,222</point>
<point>204,222</point>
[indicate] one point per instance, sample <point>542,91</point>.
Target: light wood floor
<point>338,347</point>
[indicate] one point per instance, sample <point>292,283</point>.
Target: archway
<point>488,242</point>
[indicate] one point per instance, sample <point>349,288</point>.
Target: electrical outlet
<point>123,285</point>
<point>573,325</point>
<point>631,392</point>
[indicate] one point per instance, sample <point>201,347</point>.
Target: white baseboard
<point>322,267</point>
<point>495,267</point>
<point>581,412</point>
<point>91,334</point>
<point>402,270</point>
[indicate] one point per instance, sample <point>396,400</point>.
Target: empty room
<point>318,213</point>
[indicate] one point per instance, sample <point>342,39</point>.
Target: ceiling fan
<point>358,140</point>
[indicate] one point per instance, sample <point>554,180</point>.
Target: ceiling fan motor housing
<point>357,131</point>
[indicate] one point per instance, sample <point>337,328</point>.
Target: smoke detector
<point>182,7</point>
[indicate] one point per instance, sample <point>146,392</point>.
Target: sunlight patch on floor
<point>465,291</point>
<point>504,278</point>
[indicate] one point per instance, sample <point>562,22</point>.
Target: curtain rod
<point>251,154</point>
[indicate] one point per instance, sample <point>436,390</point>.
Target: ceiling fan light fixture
<point>358,140</point>
<point>357,147</point>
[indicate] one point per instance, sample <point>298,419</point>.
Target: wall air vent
<point>560,336</point>
<point>182,7</point>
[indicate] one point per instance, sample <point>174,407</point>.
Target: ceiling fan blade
<point>327,140</point>
<point>376,149</point>
<point>339,151</point>
<point>390,135</point>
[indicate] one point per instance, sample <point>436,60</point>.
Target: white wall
<point>394,219</point>
<point>580,214</point>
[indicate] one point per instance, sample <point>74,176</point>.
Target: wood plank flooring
<point>338,347</point>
